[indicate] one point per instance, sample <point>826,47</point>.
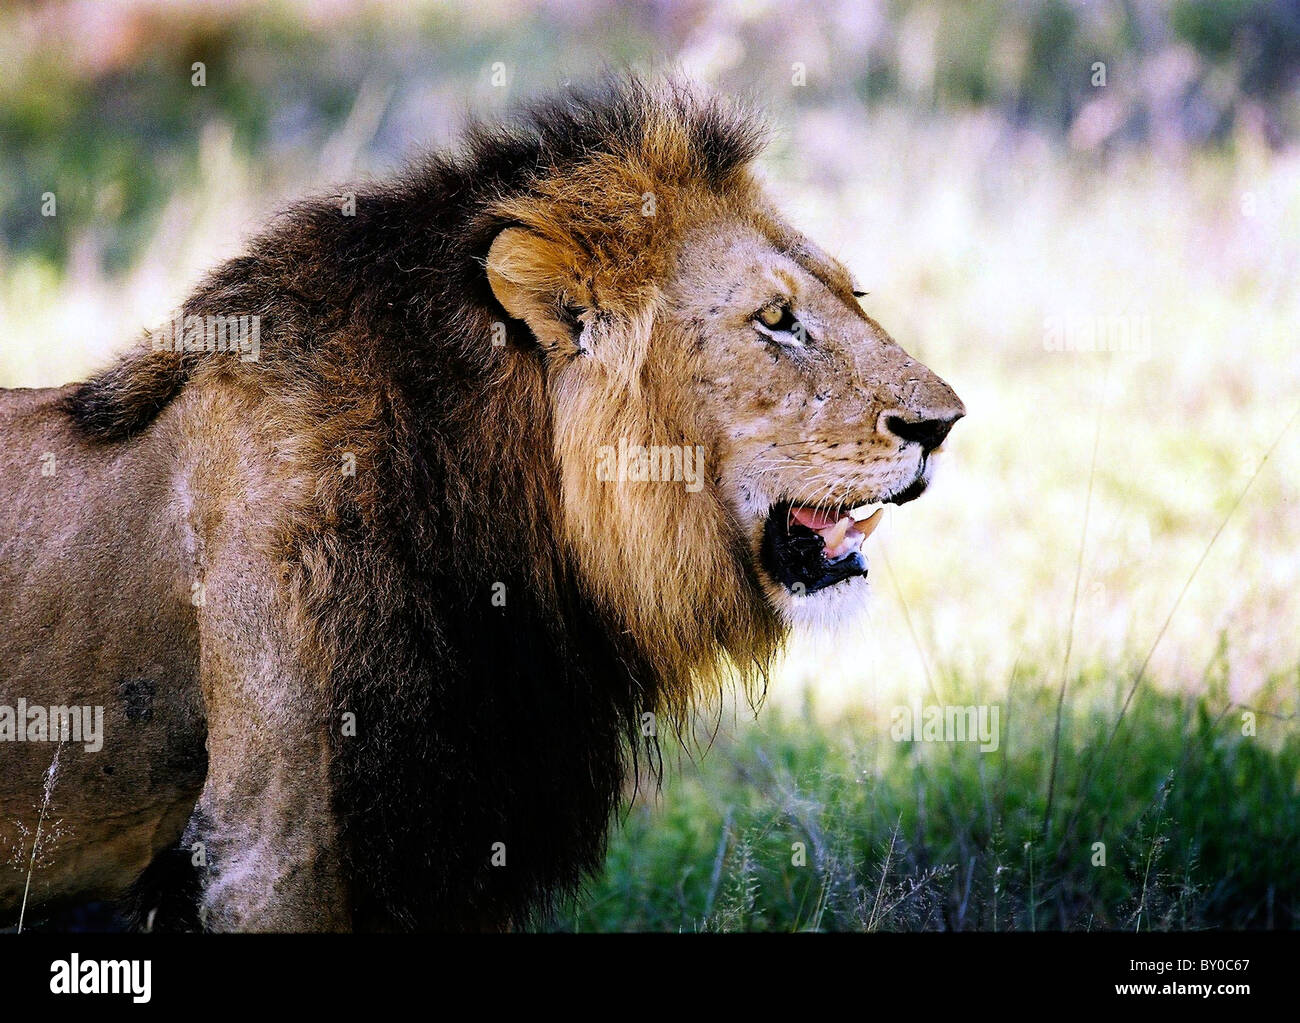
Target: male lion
<point>527,444</point>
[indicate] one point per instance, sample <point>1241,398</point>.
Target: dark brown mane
<point>376,344</point>
<point>417,243</point>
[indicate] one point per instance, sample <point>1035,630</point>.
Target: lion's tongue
<point>814,518</point>
<point>840,536</point>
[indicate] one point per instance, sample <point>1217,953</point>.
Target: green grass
<point>1201,825</point>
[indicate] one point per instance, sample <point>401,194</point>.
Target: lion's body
<point>82,627</point>
<point>323,594</point>
<point>372,572</point>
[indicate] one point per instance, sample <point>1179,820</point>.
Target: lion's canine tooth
<point>868,526</point>
<point>837,533</point>
<point>863,510</point>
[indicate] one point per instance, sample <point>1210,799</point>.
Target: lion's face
<point>816,416</point>
<point>725,415</point>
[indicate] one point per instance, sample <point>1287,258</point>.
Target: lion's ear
<point>544,283</point>
<point>527,274</point>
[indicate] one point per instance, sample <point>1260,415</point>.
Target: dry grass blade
<point>1074,610</point>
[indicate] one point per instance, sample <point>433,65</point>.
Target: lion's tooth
<point>863,510</point>
<point>836,533</point>
<point>868,526</point>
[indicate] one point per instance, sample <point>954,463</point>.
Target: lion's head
<point>818,416</point>
<point>727,417</point>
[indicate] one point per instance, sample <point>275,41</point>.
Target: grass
<point>1200,825</point>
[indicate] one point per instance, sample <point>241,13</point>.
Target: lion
<point>379,558</point>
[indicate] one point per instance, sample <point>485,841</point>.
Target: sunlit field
<point>1110,554</point>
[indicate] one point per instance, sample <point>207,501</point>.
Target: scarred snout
<point>928,413</point>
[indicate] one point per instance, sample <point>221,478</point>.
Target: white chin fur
<point>827,610</point>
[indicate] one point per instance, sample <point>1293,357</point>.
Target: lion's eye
<point>778,317</point>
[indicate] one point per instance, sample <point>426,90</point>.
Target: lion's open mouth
<point>807,549</point>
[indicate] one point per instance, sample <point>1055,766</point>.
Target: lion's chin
<point>833,612</point>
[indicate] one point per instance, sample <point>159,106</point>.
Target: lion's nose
<point>929,433</point>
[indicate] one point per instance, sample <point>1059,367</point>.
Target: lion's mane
<point>512,721</point>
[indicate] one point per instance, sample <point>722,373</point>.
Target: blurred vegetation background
<point>989,171</point>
